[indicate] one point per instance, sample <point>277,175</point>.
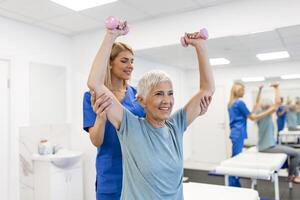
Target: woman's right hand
<point>121,30</point>
<point>100,105</point>
<point>193,39</point>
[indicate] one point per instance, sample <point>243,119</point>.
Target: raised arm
<point>199,102</point>
<point>272,108</point>
<point>97,75</point>
<point>277,99</point>
<point>257,100</point>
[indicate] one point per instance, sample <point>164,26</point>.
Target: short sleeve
<point>89,116</point>
<point>243,109</point>
<point>129,124</point>
<point>179,120</point>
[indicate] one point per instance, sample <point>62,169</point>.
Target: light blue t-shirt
<point>152,158</point>
<point>266,137</point>
<point>291,119</point>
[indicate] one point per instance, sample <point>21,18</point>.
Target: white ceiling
<point>240,50</point>
<point>49,15</point>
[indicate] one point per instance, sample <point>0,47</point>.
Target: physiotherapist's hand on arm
<point>199,103</point>
<point>285,110</point>
<point>96,132</point>
<point>97,75</point>
<point>204,103</point>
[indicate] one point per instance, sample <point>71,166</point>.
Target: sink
<point>63,158</point>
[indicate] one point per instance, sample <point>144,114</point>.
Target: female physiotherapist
<point>281,115</point>
<point>102,133</point>
<point>238,115</point>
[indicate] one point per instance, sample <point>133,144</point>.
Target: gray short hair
<point>265,103</point>
<point>149,80</point>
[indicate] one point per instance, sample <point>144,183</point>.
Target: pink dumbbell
<point>203,34</point>
<point>113,23</point>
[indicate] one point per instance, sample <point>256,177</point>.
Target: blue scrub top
<point>238,114</point>
<point>280,119</point>
<point>109,156</point>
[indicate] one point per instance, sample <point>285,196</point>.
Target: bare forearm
<point>277,97</point>
<point>207,82</point>
<point>256,106</point>
<point>258,97</point>
<point>97,72</point>
<point>261,115</point>
<point>97,132</point>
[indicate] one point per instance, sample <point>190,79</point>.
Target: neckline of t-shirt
<point>154,128</point>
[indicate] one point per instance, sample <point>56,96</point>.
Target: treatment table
<point>285,133</point>
<point>255,165</point>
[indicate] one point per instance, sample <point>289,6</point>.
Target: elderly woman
<point>266,139</point>
<point>152,146</point>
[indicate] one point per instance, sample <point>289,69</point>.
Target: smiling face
<point>122,66</point>
<point>159,103</point>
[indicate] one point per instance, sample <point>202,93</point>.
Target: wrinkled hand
<point>204,103</point>
<point>193,39</point>
<point>121,30</point>
<point>101,104</point>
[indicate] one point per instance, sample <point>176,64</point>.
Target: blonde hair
<point>117,48</point>
<point>234,92</point>
<point>149,80</point>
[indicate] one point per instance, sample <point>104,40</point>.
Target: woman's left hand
<point>204,103</point>
<point>193,39</point>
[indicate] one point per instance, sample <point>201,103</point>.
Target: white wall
<point>4,128</point>
<point>22,44</point>
<point>47,92</point>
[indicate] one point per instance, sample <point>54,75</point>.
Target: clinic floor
<point>264,188</point>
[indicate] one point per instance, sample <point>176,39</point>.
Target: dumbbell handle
<point>203,34</point>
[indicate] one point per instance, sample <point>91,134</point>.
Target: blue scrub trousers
<point>237,147</point>
<point>108,196</point>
